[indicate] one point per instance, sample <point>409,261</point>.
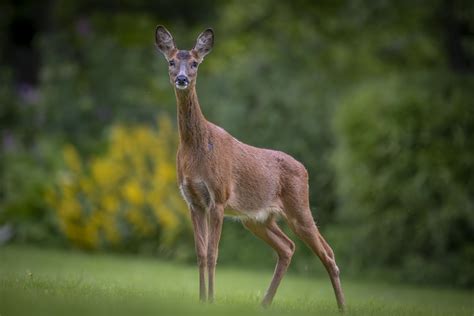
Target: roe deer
<point>217,175</point>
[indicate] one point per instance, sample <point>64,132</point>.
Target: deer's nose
<point>182,80</point>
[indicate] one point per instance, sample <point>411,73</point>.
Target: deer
<point>219,175</point>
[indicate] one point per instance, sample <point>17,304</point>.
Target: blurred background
<point>374,97</point>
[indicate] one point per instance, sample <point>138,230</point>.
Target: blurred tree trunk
<point>456,32</point>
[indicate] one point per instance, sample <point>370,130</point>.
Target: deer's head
<point>183,64</point>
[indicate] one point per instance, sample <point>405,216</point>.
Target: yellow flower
<point>133,192</point>
<point>86,185</point>
<point>131,185</point>
<point>110,203</point>
<point>105,172</point>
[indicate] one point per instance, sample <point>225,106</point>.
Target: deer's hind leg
<point>301,222</point>
<point>283,246</point>
<point>304,227</point>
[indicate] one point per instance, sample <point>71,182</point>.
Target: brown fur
<point>218,174</point>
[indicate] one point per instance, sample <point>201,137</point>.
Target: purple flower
<point>27,93</point>
<point>83,27</point>
<point>8,141</point>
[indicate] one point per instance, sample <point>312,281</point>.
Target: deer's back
<point>248,181</point>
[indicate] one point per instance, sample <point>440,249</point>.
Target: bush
<point>405,171</point>
<point>124,197</point>
<point>24,180</point>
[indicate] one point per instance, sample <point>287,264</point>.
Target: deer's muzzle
<point>181,82</point>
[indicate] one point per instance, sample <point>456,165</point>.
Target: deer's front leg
<point>198,217</point>
<point>216,217</point>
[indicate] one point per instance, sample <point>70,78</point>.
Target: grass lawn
<point>36,281</point>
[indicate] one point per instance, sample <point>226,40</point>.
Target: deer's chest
<point>197,193</point>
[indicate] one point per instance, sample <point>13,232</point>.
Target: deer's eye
<point>172,63</point>
<point>194,64</point>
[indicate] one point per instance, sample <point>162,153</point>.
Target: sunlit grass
<point>35,281</point>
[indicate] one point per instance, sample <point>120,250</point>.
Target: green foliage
<point>24,180</point>
<point>86,87</point>
<point>405,165</point>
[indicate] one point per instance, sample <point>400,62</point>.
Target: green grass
<point>35,281</point>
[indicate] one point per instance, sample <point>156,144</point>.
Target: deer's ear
<point>204,43</point>
<point>164,41</point>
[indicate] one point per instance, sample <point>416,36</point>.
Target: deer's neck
<point>191,122</point>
